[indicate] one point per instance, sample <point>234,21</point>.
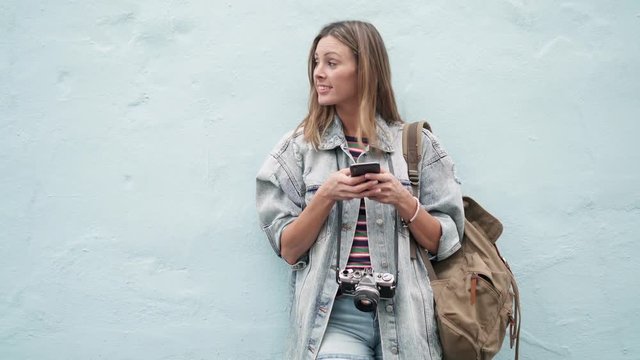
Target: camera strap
<point>339,214</point>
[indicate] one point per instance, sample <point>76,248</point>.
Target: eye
<point>332,64</point>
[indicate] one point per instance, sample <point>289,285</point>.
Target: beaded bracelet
<point>415,215</point>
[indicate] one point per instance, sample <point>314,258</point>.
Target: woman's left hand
<point>425,228</point>
<point>389,189</point>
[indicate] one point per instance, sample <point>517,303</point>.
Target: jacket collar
<point>334,136</point>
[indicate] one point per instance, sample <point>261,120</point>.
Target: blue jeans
<point>351,334</point>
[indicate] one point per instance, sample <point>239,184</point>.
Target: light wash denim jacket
<point>288,180</point>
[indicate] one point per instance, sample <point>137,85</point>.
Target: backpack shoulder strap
<point>412,152</point>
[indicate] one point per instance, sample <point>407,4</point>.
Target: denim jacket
<point>288,180</point>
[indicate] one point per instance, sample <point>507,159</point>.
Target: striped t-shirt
<point>359,256</point>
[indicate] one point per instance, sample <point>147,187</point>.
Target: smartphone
<point>364,168</point>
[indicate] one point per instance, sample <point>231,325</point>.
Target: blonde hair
<point>373,76</point>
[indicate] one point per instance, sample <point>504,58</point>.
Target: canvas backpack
<point>475,292</point>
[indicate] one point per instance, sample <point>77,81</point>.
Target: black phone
<point>364,168</point>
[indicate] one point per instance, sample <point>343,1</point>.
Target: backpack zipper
<point>474,286</point>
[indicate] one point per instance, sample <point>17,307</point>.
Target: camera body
<point>367,287</point>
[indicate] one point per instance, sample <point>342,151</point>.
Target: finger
<point>384,192</point>
<point>355,180</point>
<point>367,185</point>
<point>382,177</point>
<point>346,195</point>
<point>372,193</point>
<point>381,187</point>
<point>355,195</point>
<point>380,199</point>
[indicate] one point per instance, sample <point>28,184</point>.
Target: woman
<point>309,204</point>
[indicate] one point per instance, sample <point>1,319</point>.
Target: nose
<point>318,72</point>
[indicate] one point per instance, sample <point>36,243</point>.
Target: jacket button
<point>384,263</point>
<point>379,222</point>
<point>394,350</point>
<point>389,308</point>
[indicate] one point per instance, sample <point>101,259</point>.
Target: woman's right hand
<point>299,235</point>
<point>341,186</point>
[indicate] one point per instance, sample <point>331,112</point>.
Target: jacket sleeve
<point>441,195</point>
<point>279,193</point>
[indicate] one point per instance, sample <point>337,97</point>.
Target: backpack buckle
<point>414,177</point>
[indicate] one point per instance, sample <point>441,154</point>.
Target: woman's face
<point>335,74</point>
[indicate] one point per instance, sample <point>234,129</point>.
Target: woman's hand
<point>341,186</point>
<point>299,235</point>
<point>388,190</point>
<point>425,228</point>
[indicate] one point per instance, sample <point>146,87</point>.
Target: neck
<point>349,118</point>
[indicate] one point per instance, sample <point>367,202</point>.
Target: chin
<point>325,102</point>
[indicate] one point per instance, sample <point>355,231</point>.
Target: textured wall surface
<point>131,132</point>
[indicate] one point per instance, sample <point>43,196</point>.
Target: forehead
<point>329,44</point>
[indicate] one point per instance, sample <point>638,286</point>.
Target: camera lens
<point>366,298</point>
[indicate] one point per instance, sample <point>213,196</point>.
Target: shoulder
<point>285,158</point>
<point>390,133</point>
<point>290,143</point>
<point>432,149</point>
<point>430,140</point>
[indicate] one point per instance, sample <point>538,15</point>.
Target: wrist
<point>404,200</point>
<point>406,220</point>
<point>323,197</point>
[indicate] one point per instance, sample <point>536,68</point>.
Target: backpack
<point>475,292</point>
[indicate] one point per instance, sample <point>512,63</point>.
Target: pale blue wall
<point>131,131</point>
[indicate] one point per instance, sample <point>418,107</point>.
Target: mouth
<point>323,89</point>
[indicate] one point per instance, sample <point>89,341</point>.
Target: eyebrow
<point>328,53</point>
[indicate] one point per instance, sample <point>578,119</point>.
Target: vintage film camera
<point>366,287</point>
